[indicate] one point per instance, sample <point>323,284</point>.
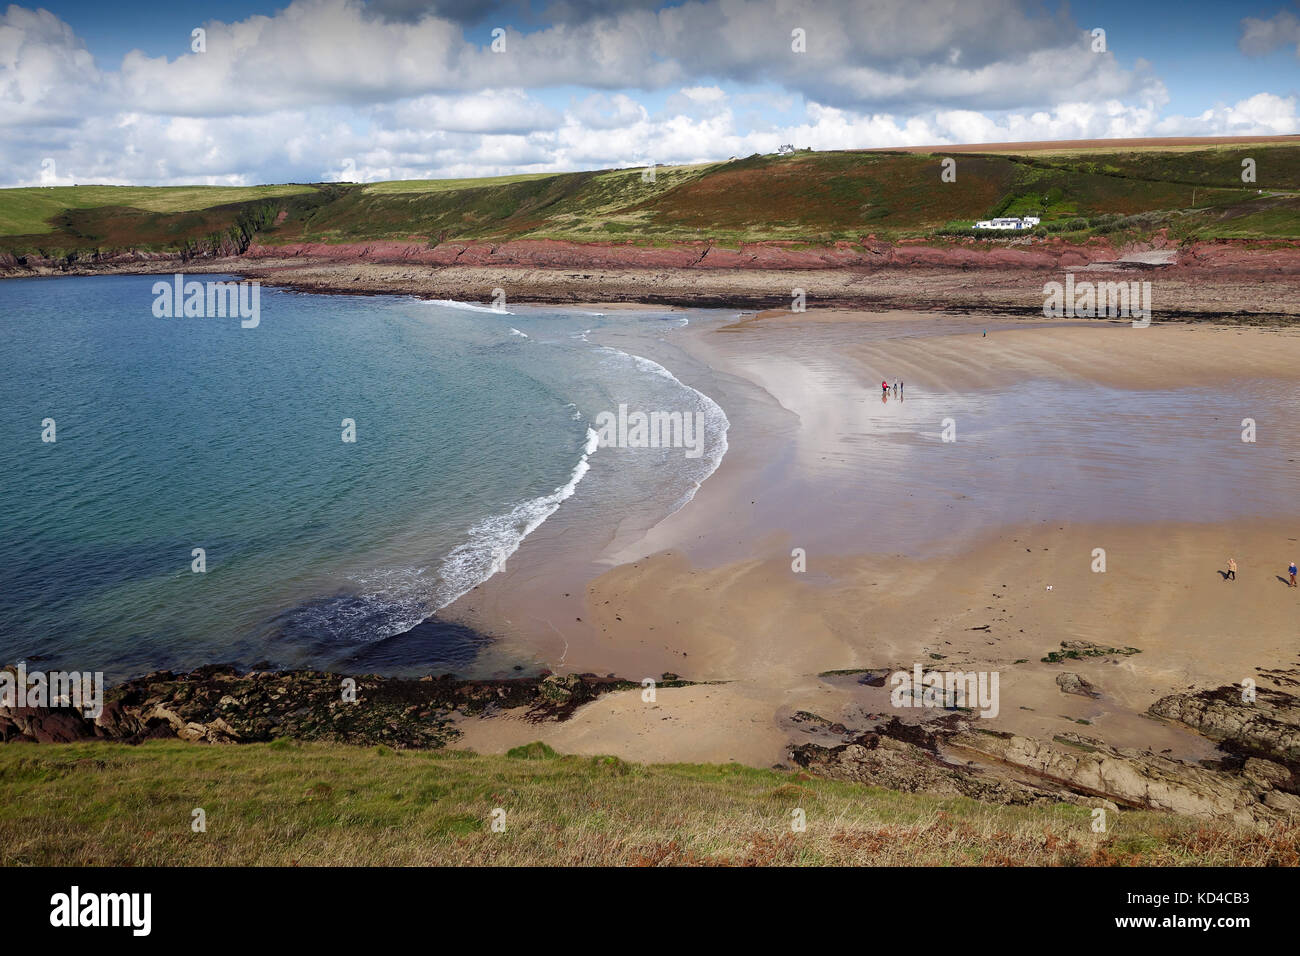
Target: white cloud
<point>923,53</point>
<point>601,111</point>
<point>46,72</point>
<point>1263,113</point>
<point>332,89</point>
<point>491,111</point>
<point>697,101</point>
<point>1260,37</point>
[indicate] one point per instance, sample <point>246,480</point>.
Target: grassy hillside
<point>323,804</point>
<point>806,197</point>
<point>32,210</point>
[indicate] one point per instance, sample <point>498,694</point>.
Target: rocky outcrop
<point>867,253</point>
<point>1071,683</point>
<point>908,758</point>
<point>218,704</point>
<point>951,756</point>
<point>1267,726</point>
<point>1080,650</point>
<point>1128,777</point>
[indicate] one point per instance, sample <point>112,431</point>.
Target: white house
<point>1025,222</point>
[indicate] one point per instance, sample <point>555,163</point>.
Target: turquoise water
<point>472,427</point>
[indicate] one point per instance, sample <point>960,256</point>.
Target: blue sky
<point>402,89</point>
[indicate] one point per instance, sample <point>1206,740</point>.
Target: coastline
<point>999,595</point>
<point>709,592</point>
<point>1235,281</point>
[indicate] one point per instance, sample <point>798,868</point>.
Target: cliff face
<point>1234,281</point>
<point>13,266</point>
<point>1237,256</point>
<point>868,253</point>
<point>1279,257</point>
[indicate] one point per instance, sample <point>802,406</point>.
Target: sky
<point>368,90</point>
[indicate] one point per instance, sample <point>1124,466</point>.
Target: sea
<point>310,491</point>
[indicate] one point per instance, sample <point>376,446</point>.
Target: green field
<point>284,803</point>
<point>445,185</point>
<point>805,197</point>
<point>30,210</point>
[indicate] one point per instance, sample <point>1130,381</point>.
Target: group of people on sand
<point>1231,574</point>
<point>885,387</point>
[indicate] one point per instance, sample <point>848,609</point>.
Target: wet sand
<point>974,555</point>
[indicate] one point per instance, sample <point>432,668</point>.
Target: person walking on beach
<point>1232,570</point>
<point>884,387</point>
<point>1291,571</point>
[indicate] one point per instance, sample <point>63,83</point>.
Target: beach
<point>1070,437</point>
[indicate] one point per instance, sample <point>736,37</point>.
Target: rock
<point>1268,727</point>
<point>217,704</point>
<point>905,757</point>
<point>44,725</point>
<point>818,723</point>
<point>1287,803</point>
<point>556,689</point>
<point>1078,650</point>
<point>1266,772</point>
<point>949,756</point>
<point>1074,684</point>
<point>1129,777</point>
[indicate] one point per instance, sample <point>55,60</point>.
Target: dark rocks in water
<point>220,704</point>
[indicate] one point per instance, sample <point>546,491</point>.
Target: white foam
<point>468,306</point>
<point>493,540</point>
<point>715,419</point>
<point>514,331</point>
<point>398,594</point>
<point>716,422</point>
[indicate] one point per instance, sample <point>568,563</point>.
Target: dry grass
<point>315,804</point>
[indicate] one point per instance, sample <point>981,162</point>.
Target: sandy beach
<point>977,554</point>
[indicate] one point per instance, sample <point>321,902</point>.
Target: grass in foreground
<point>321,804</point>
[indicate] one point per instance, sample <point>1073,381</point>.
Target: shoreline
<point>708,592</point>
<point>730,609</point>
<point>1222,282</point>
